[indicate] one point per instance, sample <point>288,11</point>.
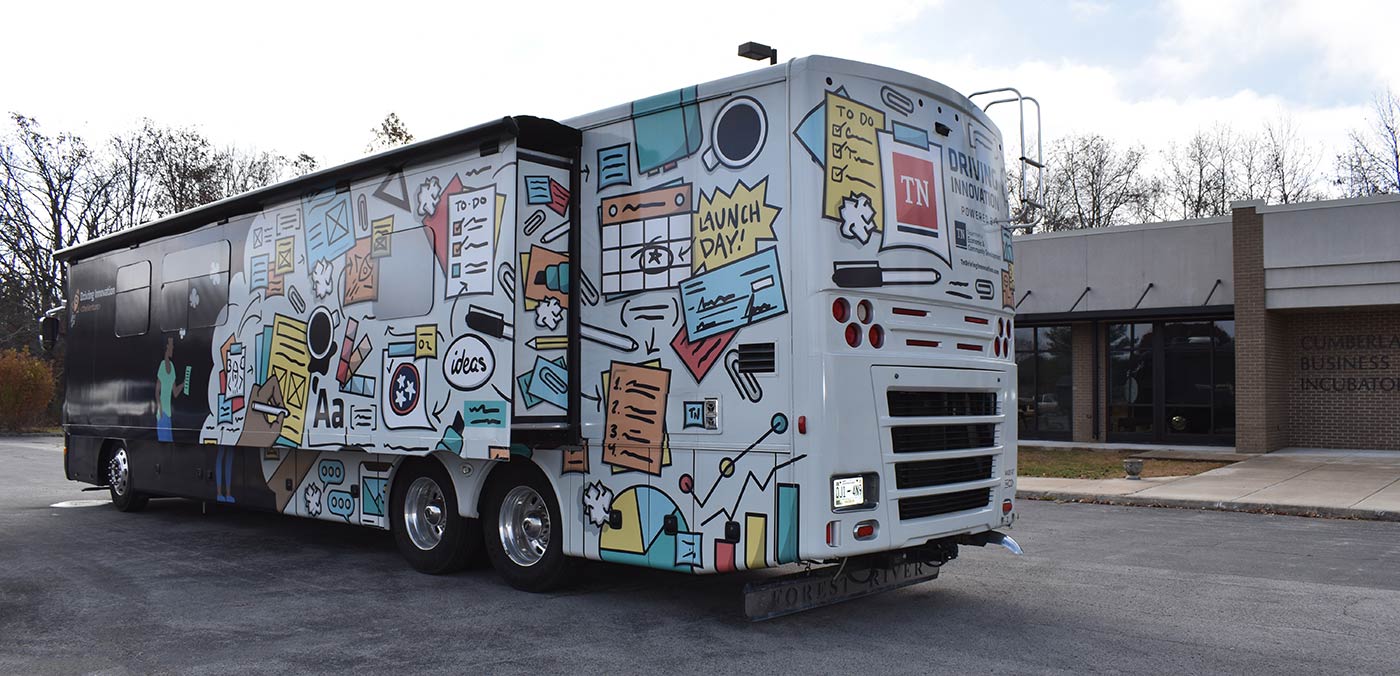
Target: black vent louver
<point>757,358</point>
<point>916,403</point>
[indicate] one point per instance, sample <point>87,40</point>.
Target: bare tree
<point>186,169</point>
<point>53,194</point>
<point>133,190</point>
<point>1290,163</point>
<point>1196,177</point>
<point>391,133</point>
<point>1372,164</point>
<point>56,191</point>
<point>303,164</point>
<point>1217,166</point>
<point>1092,183</point>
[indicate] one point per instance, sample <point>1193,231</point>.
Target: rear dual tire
<point>520,530</point>
<point>524,529</point>
<point>427,527</point>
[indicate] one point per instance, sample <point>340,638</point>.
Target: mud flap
<point>829,585</point>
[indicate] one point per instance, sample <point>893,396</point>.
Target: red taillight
<point>877,336</point>
<point>865,530</point>
<point>833,533</point>
<point>801,424</point>
<point>865,312</point>
<point>840,310</point>
<point>853,335</point>
<point>1005,506</point>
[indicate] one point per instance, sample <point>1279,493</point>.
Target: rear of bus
<point>904,398</point>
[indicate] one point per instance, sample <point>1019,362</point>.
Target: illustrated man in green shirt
<point>166,391</point>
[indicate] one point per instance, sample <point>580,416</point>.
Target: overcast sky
<point>315,77</point>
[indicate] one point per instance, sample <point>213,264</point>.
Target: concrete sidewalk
<point>1305,482</point>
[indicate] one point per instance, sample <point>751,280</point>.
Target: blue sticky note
<point>225,409</point>
<point>733,295</point>
<point>913,136</point>
<point>688,549</point>
<point>330,228</point>
<point>614,166</point>
<point>257,272</point>
<point>491,413</point>
<point>550,382</point>
<point>537,190</point>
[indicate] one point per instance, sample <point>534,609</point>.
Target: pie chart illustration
<point>642,540</point>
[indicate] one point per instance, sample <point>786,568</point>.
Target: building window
<point>1172,381</point>
<point>1045,382</point>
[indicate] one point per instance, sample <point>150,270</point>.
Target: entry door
<point>1171,382</point>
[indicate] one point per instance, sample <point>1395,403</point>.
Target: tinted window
<point>195,289</point>
<point>133,301</point>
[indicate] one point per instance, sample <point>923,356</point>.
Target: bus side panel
<point>687,345</point>
<point>327,323</point>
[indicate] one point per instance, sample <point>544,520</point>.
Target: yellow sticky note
<point>425,344</point>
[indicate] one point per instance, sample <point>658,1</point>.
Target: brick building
<point>1274,327</point>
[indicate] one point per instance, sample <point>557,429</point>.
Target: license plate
<point>813,589</point>
<point>848,491</point>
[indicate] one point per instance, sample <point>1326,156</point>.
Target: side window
<point>195,287</point>
<point>406,276</point>
<point>133,299</point>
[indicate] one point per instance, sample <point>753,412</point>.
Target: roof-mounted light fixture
<point>758,52</point>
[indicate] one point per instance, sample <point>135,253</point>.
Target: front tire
<point>524,530</point>
<point>427,527</point>
<point>124,495</point>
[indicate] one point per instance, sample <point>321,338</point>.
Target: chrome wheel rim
<point>119,472</point>
<point>524,526</point>
<point>425,513</point>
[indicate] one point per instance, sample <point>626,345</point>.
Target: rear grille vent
<point>946,503</point>
<point>927,438</point>
<point>942,472</point>
<point>757,358</point>
<point>913,403</point>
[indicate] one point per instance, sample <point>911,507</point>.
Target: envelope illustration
<point>286,255</point>
<point>338,222</point>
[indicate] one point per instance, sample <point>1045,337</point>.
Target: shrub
<point>26,386</point>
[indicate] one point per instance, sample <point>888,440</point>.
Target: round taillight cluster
<point>853,335</point>
<point>877,336</point>
<point>1001,344</point>
<point>840,310</point>
<point>864,314</point>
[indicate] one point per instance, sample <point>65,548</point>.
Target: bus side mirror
<point>48,331</point>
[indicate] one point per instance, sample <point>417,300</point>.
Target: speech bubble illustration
<point>468,363</point>
<point>341,504</point>
<point>332,472</point>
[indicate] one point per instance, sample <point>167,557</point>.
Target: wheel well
<point>525,465</point>
<point>104,456</point>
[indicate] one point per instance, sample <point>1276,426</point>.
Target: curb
<point>1222,505</point>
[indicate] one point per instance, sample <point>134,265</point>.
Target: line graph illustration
<point>727,469</point>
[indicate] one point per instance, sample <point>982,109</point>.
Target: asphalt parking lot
<point>172,589</point>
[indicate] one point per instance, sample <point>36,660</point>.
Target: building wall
<point>1084,404</point>
<point>1343,379</point>
<point>1259,359</point>
<point>1333,254</point>
<point>1181,260</point>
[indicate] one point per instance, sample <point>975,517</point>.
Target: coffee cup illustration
<point>737,135</point>
<point>319,333</point>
